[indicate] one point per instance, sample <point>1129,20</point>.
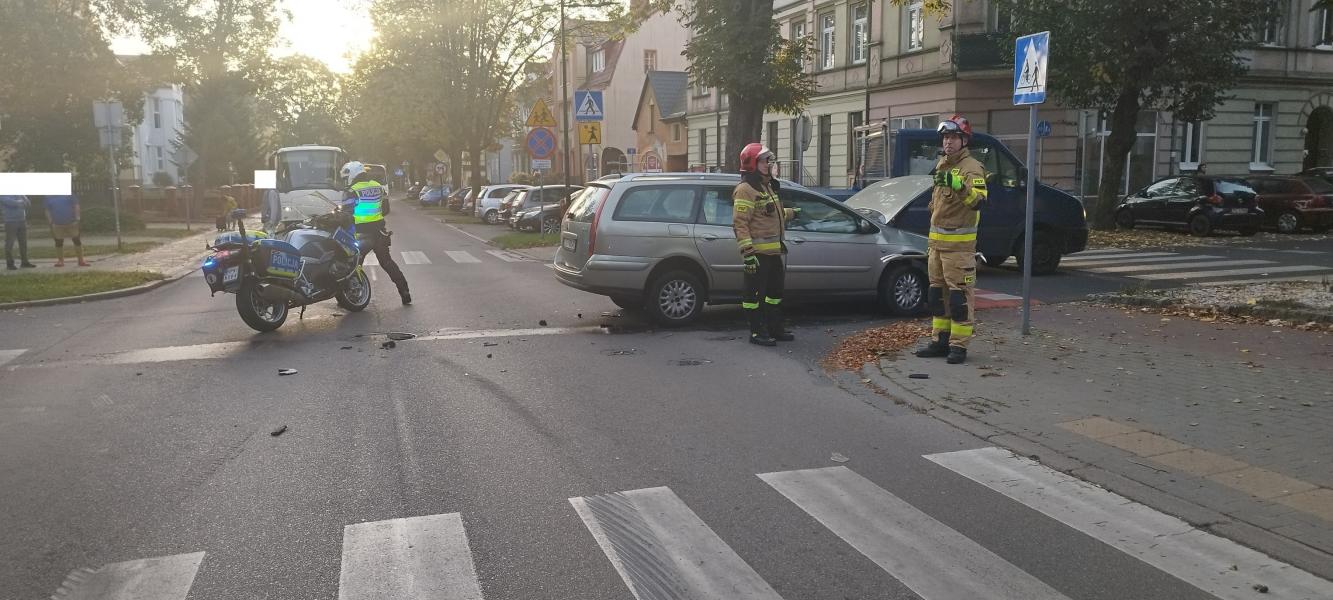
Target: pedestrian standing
<point>15,209</point>
<point>758,219</point>
<point>63,213</point>
<point>951,247</point>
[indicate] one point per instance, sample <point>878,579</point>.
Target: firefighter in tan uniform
<point>955,213</point>
<point>758,219</point>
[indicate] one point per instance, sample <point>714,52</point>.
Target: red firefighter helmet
<point>956,124</point>
<point>751,155</point>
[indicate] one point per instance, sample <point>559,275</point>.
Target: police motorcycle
<point>308,260</point>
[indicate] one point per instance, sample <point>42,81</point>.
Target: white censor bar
<point>36,184</point>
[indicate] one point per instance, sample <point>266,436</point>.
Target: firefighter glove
<point>751,264</point>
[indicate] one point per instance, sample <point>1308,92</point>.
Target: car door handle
<point>708,237</point>
<point>796,240</point>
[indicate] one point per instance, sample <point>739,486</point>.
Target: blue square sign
<point>1030,61</point>
<point>588,105</point>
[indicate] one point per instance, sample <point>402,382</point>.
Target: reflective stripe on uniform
<point>946,237</point>
<point>940,324</point>
<point>750,305</point>
<point>774,301</point>
<point>958,330</point>
<point>947,231</point>
<point>770,246</point>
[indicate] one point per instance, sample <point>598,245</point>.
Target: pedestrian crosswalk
<point>662,549</point>
<point>452,257</point>
<point>1191,269</point>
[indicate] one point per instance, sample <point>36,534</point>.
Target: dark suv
<point>1199,203</point>
<point>1291,203</point>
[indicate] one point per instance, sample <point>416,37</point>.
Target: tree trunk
<point>1124,119</point>
<point>745,124</point>
<point>456,168</point>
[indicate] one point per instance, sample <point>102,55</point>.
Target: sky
<point>322,29</point>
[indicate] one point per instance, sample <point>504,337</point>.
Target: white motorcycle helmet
<point>351,170</point>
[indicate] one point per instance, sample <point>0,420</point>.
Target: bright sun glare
<point>326,30</point>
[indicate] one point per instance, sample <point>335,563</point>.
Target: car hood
<point>883,200</point>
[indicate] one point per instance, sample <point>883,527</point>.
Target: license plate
<point>231,274</point>
<point>571,244</point>
<point>1239,211</point>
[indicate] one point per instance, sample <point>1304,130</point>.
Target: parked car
<point>414,191</point>
<point>1325,173</point>
<point>548,197</point>
<point>455,200</point>
<point>432,196</point>
<point>1199,203</point>
<point>511,201</point>
<point>1293,203</point>
<point>663,242</point>
<point>489,199</point>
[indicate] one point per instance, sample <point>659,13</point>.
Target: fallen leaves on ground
<point>1136,239</point>
<point>1219,315</point>
<point>857,349</point>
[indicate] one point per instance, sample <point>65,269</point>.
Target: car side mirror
<point>867,227</point>
<point>1022,177</point>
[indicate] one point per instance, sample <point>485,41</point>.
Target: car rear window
<point>667,204</point>
<point>584,206</point>
<point>1318,186</point>
<point>1232,188</point>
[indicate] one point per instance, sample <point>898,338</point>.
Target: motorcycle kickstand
<point>301,316</point>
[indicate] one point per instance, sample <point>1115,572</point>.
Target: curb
<point>177,274</point>
<point>1235,310</point>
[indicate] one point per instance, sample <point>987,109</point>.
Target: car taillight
<point>592,234</point>
<point>1215,200</point>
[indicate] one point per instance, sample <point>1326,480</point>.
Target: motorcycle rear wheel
<point>260,314</point>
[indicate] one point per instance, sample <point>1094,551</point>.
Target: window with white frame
<point>699,88</point>
<point>798,29</point>
<point>1191,152</point>
<point>860,45</point>
<point>1268,29</point>
<point>598,60</point>
<point>649,60</point>
<point>675,132</point>
<point>1261,146</point>
<point>161,161</point>
<point>917,122</point>
<point>1323,28</point>
<point>1001,19</point>
<point>157,113</point>
<point>916,25</point>
<point>826,42</point>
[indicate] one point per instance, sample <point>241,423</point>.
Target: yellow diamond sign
<point>540,115</point>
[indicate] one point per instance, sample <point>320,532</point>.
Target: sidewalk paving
<point>1229,426</point>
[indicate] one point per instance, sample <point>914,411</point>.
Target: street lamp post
<point>564,94</point>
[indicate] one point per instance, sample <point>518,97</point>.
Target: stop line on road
<point>662,549</point>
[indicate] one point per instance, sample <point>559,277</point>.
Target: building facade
<point>153,139</point>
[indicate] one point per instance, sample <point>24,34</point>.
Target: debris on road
<point>488,356</point>
<point>855,350</point>
<point>838,458</point>
<point>286,371</point>
<point>400,336</point>
<point>279,431</point>
<point>345,348</point>
<point>489,344</point>
<point>1261,588</point>
<point>919,376</point>
<point>542,322</point>
<point>388,344</point>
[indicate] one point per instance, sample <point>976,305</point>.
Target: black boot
<point>957,355</point>
<point>406,296</point>
<point>758,331</point>
<point>775,328</point>
<point>937,348</point>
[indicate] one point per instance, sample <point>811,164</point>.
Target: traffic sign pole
<point>1027,218</point>
<point>1031,57</point>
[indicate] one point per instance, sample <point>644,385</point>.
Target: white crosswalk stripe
<point>1099,262</point>
<point>8,355</point>
<point>662,549</point>
<point>1176,266</point>
<point>371,260</point>
<point>937,562</point>
<point>1215,565</point>
<point>1116,256</point>
<point>507,256</point>
<point>415,257</point>
<point>462,256</point>
<point>1232,272</point>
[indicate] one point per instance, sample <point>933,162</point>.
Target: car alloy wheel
<point>1288,222</point>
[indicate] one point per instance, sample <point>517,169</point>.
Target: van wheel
<point>1288,222</point>
<point>1200,226</point>
<point>993,260</point>
<point>675,298</point>
<point>1046,255</point>
<point>902,292</point>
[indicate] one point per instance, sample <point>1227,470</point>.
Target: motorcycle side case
<point>276,258</point>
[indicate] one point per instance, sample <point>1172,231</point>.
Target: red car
<point>1292,203</point>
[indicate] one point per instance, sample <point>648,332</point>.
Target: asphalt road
<point>141,428</point>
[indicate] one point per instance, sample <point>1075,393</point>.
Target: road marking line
<point>663,550</point>
<point>1213,564</point>
<point>8,355</point>
<point>1076,258</point>
<point>162,578</point>
<point>1255,271</point>
<point>1099,251</point>
<point>373,276</point>
<point>489,333</point>
<point>415,257</point>
<point>371,260</point>
<point>508,256</point>
<point>929,557</point>
<point>461,256</point>
<point>1100,262</point>
<point>417,557</point>
<point>1310,278</point>
<point>1302,252</point>
<point>482,240</point>
<point>998,296</point>
<point>1180,265</point>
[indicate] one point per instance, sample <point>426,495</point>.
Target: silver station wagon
<point>663,243</point>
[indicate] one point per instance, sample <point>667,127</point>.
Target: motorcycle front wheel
<point>355,295</point>
<point>260,314</point>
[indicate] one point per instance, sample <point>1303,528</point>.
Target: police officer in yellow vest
<point>366,200</point>
<point>955,213</point>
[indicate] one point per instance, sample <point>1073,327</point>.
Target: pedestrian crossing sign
<point>1031,54</point>
<point>541,115</point>
<point>590,132</point>
<point>588,105</point>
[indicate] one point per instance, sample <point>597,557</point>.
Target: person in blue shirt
<point>15,209</point>
<point>63,214</point>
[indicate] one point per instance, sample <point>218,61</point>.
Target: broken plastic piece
<point>919,376</point>
<point>286,371</point>
<point>279,431</point>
